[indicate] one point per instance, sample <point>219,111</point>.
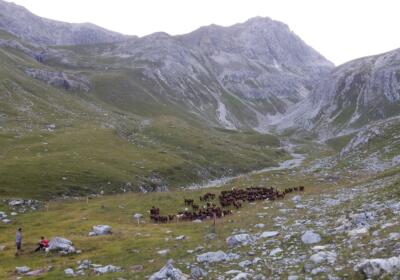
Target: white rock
<point>275,252</point>
<point>259,226</point>
<point>22,269</point>
<point>163,252</point>
<point>102,229</point>
<point>69,272</point>
<point>269,234</point>
<point>180,237</point>
<point>6,221</point>
<point>373,268</point>
<point>310,237</point>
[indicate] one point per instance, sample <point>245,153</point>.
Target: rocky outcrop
<point>70,82</point>
<point>61,245</point>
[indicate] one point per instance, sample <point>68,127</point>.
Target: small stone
<point>69,272</point>
<point>163,253</point>
<point>22,269</point>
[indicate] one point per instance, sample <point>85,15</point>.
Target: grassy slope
<point>90,146</point>
<point>133,244</point>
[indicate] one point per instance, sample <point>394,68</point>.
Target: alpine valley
<point>96,126</point>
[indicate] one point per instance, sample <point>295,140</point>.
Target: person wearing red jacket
<point>43,244</point>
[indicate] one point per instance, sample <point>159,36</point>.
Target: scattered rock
<point>324,256</point>
<point>198,272</point>
<point>22,269</point>
<point>275,252</point>
<point>214,257</point>
<point>239,240</point>
<point>376,267</point>
<point>136,268</point>
<point>163,253</point>
<point>107,269</point>
<point>269,234</point>
<point>101,230</point>
<point>69,272</point>
<point>180,237</point>
<point>169,272</point>
<point>310,237</point>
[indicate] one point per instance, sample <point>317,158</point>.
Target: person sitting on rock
<point>43,244</point>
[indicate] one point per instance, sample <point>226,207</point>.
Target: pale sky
<point>340,30</point>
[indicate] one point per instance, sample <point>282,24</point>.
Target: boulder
<point>374,268</point>
<point>6,221</point>
<point>169,272</point>
<point>61,244</point>
<point>215,257</point>
<point>239,240</point>
<point>310,237</point>
<point>101,230</point>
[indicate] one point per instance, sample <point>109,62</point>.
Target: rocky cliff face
<point>351,96</point>
<point>238,76</point>
<point>19,21</point>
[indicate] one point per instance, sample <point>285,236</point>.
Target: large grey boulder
<point>62,245</point>
<point>240,239</point>
<point>310,237</point>
<point>373,268</point>
<point>169,272</point>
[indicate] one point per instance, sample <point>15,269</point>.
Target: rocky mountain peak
<point>43,31</point>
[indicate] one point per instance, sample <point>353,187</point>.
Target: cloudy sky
<point>341,30</point>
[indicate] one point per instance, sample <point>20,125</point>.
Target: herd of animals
<point>227,199</point>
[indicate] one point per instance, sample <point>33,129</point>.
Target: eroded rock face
<point>169,272</point>
<point>376,267</point>
<point>70,82</point>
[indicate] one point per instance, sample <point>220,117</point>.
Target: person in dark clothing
<point>18,241</point>
<point>43,244</point>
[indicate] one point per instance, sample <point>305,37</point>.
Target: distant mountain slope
<point>351,96</point>
<point>22,23</point>
<point>235,77</point>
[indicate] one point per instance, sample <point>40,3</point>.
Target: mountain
<point>234,77</point>
<point>19,21</point>
<point>351,96</point>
